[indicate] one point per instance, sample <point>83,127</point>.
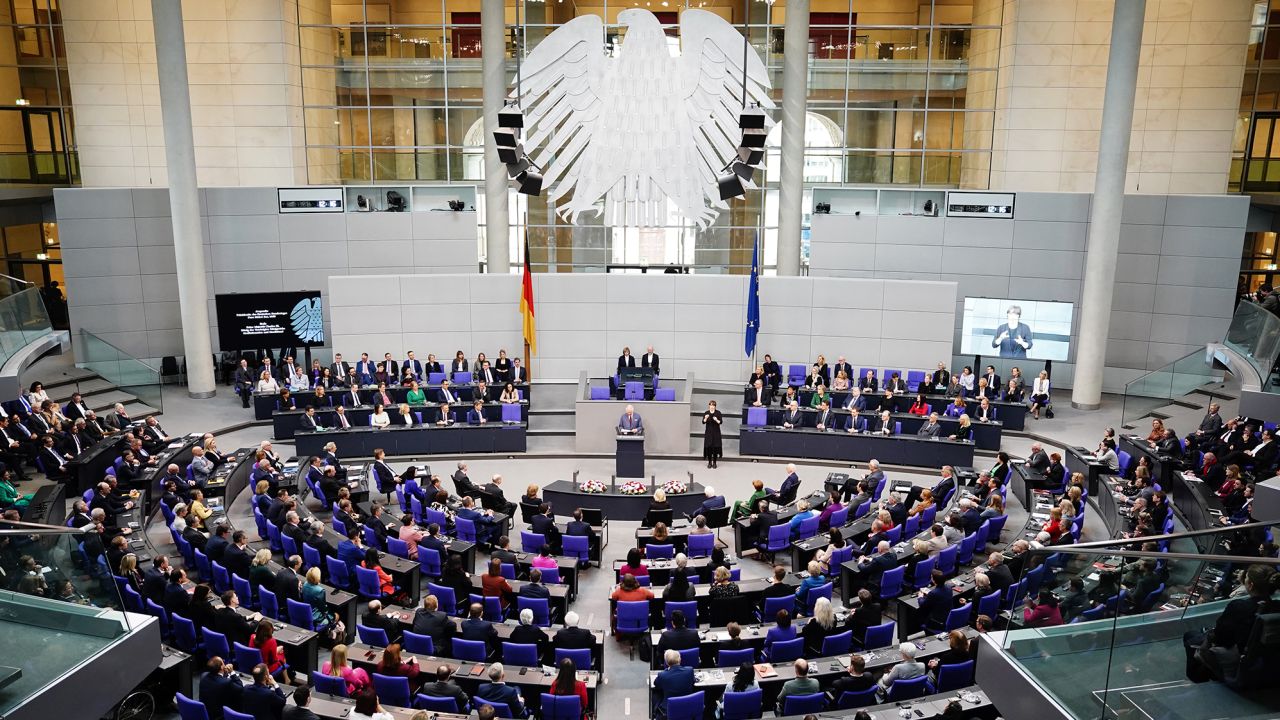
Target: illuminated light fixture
<point>22,101</point>
<point>42,256</point>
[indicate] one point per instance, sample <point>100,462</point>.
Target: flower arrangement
<point>592,486</point>
<point>632,487</point>
<point>675,487</point>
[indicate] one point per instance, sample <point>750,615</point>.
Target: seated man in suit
<point>630,422</point>
<point>772,372</point>
<point>577,526</point>
<point>373,618</point>
<point>884,426</point>
<point>792,418</point>
<point>874,566</point>
<point>675,681</point>
<point>759,396</point>
<point>475,416</point>
<point>534,588</point>
<point>544,523</point>
<point>790,486</point>
<point>494,490</point>
<point>710,502</point>
<point>931,428</point>
<point>497,690</point>
<point>856,423</point>
<point>487,531</point>
<point>824,419</point>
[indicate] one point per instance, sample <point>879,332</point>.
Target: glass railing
<point>41,168</point>
<point>1255,335</point>
<point>23,316</point>
<point>1102,628</point>
<point>60,607</point>
<point>1159,387</point>
<point>125,371</point>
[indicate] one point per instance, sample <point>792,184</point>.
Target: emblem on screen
<point>308,320</point>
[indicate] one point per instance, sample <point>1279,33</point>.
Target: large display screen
<point>247,321</point>
<point>1016,329</point>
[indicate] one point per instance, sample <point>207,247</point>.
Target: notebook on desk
<point>765,670</point>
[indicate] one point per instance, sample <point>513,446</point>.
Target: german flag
<point>526,303</point>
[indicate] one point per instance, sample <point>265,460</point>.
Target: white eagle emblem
<point>643,127</point>
<point>308,320</point>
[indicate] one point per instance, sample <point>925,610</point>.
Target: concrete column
<point>795,96</point>
<point>184,196</point>
<point>497,220</point>
<point>1108,203</point>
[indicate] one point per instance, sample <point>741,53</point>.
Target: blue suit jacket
<point>262,702</point>
<point>636,422</point>
<point>672,682</point>
<point>710,503</point>
<point>473,417</point>
<point>502,693</point>
<point>350,554</point>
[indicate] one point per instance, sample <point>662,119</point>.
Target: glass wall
<point>900,92</point>
<point>1255,154</point>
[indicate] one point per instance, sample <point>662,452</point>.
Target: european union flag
<point>753,299</point>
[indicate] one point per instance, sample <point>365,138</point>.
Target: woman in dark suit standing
<point>711,443</point>
<point>626,360</point>
<point>502,366</point>
<point>1013,338</point>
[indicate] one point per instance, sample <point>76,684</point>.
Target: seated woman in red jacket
<point>1042,611</point>
<point>1055,527</point>
<point>567,683</point>
<point>385,583</point>
<point>920,407</point>
<point>272,654</point>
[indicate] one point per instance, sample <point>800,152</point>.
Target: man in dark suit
<point>236,558</point>
<point>494,489</point>
<point>220,686</point>
<point>264,700</point>
<point>299,710</point>
<point>885,424</point>
<point>711,501</point>
<point>772,371</point>
<point>518,372</point>
<point>896,508</point>
<point>1038,460</point>
<point>790,486</point>
<point>998,573</point>
<point>308,421</point>
<point>1209,429</point>
<point>155,578</point>
<point>679,637</point>
<point>578,526</point>
<point>373,618</point>
<point>791,417</point>
<point>433,541</point>
<point>317,540</point>
<point>545,524</point>
<point>487,376</point>
<point>340,368</point>
<point>993,379</point>
<point>650,360</point>
<point>244,379</point>
<point>414,365</point>
<point>443,687</point>
<point>534,588</point>
<point>218,543</point>
<point>228,622</point>
<point>288,585</point>
<point>825,419</point>
<point>477,629</point>
<point>392,367</point>
<point>497,690</point>
<point>572,636</point>
<point>75,408</point>
<point>55,465</point>
<point>874,566</point>
<point>430,621</point>
<point>842,364</point>
<point>759,396</point>
<point>674,681</point>
<point>462,484</point>
<point>970,516</point>
<point>1169,444</point>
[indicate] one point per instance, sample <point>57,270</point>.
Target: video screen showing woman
<point>1013,338</point>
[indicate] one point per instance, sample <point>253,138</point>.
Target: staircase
<point>61,378</point>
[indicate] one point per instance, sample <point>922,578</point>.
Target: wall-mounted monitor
<point>247,321</point>
<point>1016,329</point>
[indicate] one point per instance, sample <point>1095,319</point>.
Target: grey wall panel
<point>840,255</point>
<point>159,288</point>
<point>1203,272</point>
<point>978,232</point>
<point>846,228</point>
<point>565,316</point>
<point>728,291</point>
<point>1183,329</point>
<point>693,318</point>
<point>1049,235</point>
<point>1160,354</point>
<point>99,262</point>
<point>379,256</point>
<point>162,315</point>
<point>101,232</point>
<point>983,286</point>
<point>157,260</point>
<point>1207,210</point>
<point>1052,207</point>
<point>151,231</point>
<point>785,292</point>
<point>974,261</point>
<point>241,201</point>
<point>109,290</point>
<point>162,342</point>
<point>1133,297</point>
<point>379,226</point>
<point>1143,209</point>
<point>1137,268</point>
<point>1053,264</point>
<point>569,289</point>
<point>1141,239</point>
<point>150,202</point>
<point>893,258</point>
<point>96,203</point>
<point>244,281</point>
<point>242,258</point>
<point>1130,325</point>
<point>911,230</point>
<point>1183,300</point>
<point>1044,289</point>
<point>314,255</point>
<point>491,316</point>
<point>242,229</point>
<point>304,227</point>
<point>1215,242</point>
<point>1127,353</point>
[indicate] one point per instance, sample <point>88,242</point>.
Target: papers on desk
<point>765,670</point>
<point>703,676</point>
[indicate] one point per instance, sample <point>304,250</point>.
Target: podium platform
<point>629,461</point>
